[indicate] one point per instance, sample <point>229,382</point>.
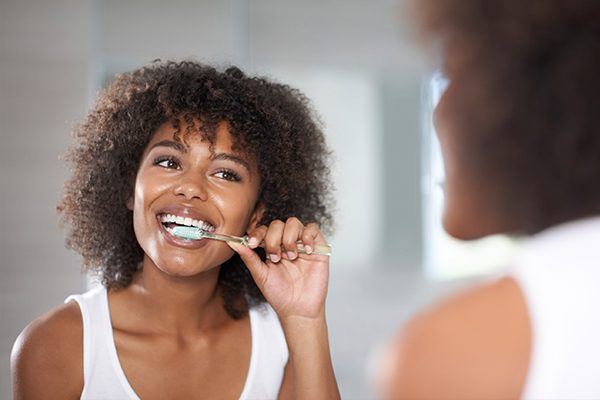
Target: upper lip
<point>187,212</point>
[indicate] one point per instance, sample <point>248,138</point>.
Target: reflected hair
<point>525,101</point>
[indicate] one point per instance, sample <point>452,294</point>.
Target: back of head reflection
<point>518,126</point>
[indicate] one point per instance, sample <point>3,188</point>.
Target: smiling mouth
<point>170,221</point>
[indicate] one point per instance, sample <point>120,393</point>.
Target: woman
<point>185,144</point>
<point>518,126</point>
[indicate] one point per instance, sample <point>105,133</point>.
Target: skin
<point>475,345</point>
<point>470,206</point>
<point>169,324</point>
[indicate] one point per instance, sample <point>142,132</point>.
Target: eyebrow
<point>231,157</point>
<point>170,143</point>
<point>218,156</point>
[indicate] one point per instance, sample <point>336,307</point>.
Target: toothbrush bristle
<point>188,232</point>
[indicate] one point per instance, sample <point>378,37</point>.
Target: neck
<point>177,304</point>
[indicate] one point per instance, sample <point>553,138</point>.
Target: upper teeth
<point>186,221</point>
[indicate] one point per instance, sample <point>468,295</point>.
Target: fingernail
<point>274,258</point>
<point>253,242</point>
<point>308,249</point>
<point>291,255</point>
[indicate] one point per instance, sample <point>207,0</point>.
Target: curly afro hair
<point>271,122</point>
<point>526,100</point>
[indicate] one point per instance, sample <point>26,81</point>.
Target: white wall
<point>44,75</point>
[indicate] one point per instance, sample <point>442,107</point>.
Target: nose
<point>191,187</point>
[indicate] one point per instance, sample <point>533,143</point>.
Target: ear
<point>256,217</point>
<point>130,200</point>
<point>129,203</point>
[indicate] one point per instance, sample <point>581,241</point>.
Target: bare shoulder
<point>47,357</point>
<point>473,345</point>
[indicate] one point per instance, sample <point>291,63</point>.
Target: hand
<point>294,284</point>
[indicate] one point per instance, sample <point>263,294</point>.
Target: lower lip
<point>180,242</point>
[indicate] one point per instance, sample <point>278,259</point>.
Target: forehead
<point>223,140</point>
<point>221,146</point>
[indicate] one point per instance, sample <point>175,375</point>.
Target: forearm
<point>312,371</point>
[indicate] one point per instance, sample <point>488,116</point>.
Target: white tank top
<point>558,272</point>
<point>104,378</point>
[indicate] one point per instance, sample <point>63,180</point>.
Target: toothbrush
<point>194,233</point>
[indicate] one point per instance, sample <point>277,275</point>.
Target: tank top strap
<point>102,372</point>
<point>558,271</point>
<point>269,355</point>
<point>89,330</point>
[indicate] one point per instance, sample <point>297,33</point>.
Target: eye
<point>228,175</point>
<point>166,162</point>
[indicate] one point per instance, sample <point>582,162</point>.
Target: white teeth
<point>187,221</point>
<point>167,218</point>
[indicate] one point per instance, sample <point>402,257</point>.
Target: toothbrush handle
<point>318,249</point>
<point>321,250</point>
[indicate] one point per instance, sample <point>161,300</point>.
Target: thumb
<point>257,268</point>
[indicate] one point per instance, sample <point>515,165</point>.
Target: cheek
<point>462,193</point>
<point>236,208</point>
<point>147,188</point>
<point>454,148</point>
<point>467,212</point>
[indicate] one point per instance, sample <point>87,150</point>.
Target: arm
<point>47,357</point>
<point>310,369</point>
<point>296,287</point>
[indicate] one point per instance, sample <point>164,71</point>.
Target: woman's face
<point>216,188</point>
<point>469,211</point>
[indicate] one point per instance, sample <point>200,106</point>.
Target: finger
<point>256,236</point>
<point>273,240</point>
<point>291,233</point>
<point>309,235</point>
<point>320,238</point>
<point>257,268</point>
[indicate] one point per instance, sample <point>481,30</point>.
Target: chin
<point>181,272</point>
<point>462,229</point>
<point>181,269</point>
<point>178,271</point>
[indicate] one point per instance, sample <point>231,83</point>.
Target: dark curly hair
<point>271,122</point>
<point>526,101</point>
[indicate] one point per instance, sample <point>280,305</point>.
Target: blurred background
<point>356,59</point>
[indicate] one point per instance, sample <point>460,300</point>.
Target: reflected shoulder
<point>473,345</point>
